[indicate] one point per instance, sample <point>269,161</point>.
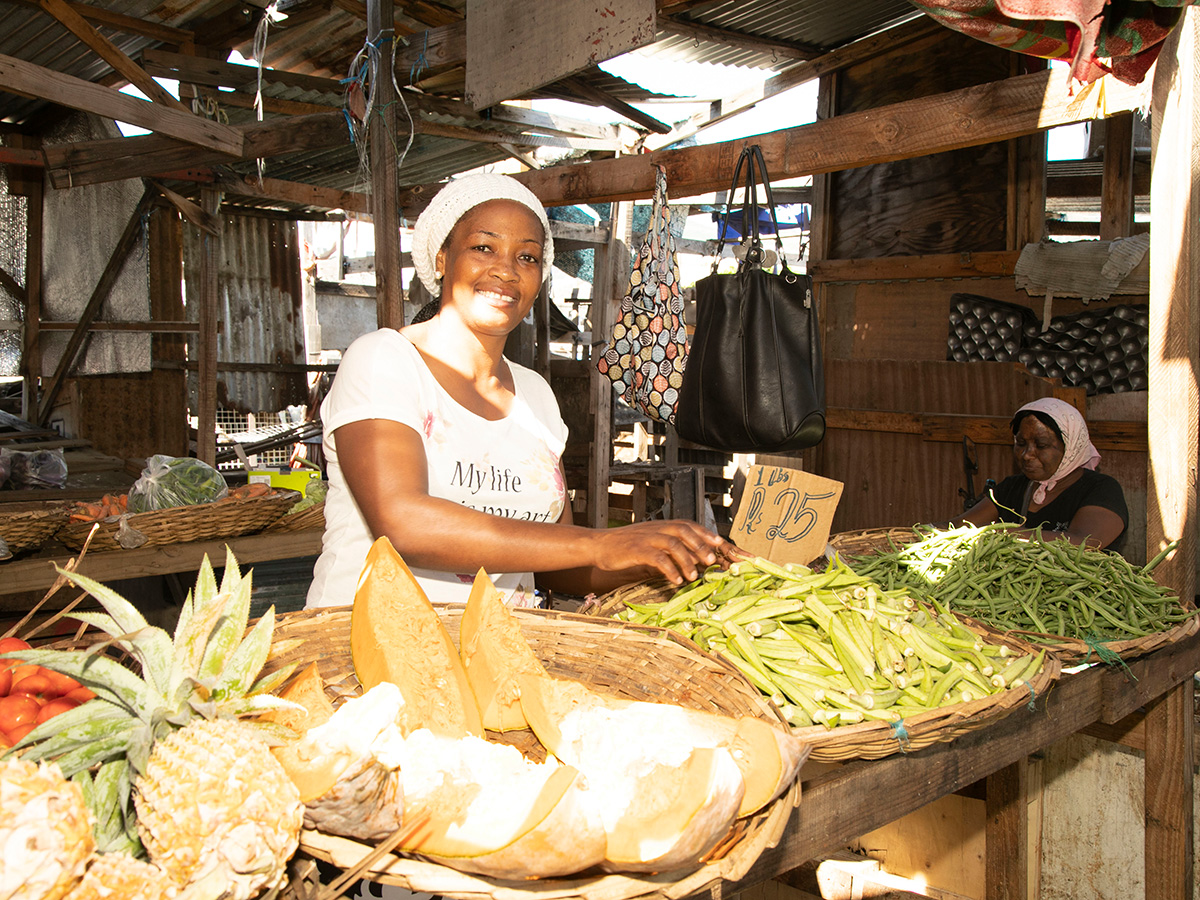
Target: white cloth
<point>507,467</point>
<point>1078,450</point>
<point>452,202</point>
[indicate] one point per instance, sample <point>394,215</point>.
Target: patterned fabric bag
<point>648,351</point>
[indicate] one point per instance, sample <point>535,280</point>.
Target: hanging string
<point>1106,656</point>
<point>260,51</point>
<point>900,733</point>
<point>361,102</point>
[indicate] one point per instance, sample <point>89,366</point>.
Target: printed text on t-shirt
<point>499,480</point>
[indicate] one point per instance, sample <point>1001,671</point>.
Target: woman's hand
<point>677,549</point>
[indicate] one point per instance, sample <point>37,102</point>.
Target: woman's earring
<point>437,275</point>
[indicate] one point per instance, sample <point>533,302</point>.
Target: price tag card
<point>785,514</point>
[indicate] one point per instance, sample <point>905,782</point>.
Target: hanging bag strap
<point>724,229</point>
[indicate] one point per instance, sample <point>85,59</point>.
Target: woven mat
<point>632,661</point>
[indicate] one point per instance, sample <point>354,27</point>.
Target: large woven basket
<point>29,529</point>
<point>308,518</point>
<point>875,740</point>
<point>182,524</point>
<point>632,661</point>
<point>871,540</point>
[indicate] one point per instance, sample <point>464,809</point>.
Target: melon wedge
<point>494,652</point>
<point>582,727</point>
<point>397,637</point>
<point>346,788</point>
<point>671,816</point>
<point>492,812</point>
<point>312,776</point>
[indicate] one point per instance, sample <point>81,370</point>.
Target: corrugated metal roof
<point>324,42</point>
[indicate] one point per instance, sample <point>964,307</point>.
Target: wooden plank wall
<point>886,337</point>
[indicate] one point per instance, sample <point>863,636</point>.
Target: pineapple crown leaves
<point>107,795</point>
<point>106,677</point>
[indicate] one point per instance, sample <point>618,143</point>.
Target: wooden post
<point>206,340</point>
<point>31,353</point>
<point>541,330</point>
<point>1007,834</point>
<point>1172,361</point>
<point>384,145</point>
<point>1116,189</point>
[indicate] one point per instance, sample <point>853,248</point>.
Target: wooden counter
<point>37,573</point>
<point>843,802</point>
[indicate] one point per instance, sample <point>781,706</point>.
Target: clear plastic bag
<point>170,481</point>
<point>36,468</point>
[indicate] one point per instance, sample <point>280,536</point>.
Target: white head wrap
<point>452,202</point>
<point>1078,450</point>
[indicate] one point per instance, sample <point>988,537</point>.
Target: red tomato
<point>5,741</point>
<point>53,708</point>
<point>9,644</point>
<point>5,681</point>
<point>17,710</point>
<point>80,694</point>
<point>23,671</point>
<point>35,684</point>
<point>20,731</point>
<point>60,684</point>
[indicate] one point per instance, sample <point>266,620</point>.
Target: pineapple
<point>119,876</point>
<point>180,798</point>
<point>45,832</point>
<point>138,720</point>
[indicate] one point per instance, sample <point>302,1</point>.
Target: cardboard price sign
<point>785,514</point>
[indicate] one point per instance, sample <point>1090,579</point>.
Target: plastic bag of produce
<point>170,481</point>
<point>36,468</point>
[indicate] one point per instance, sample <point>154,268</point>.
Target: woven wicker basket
<point>632,661</point>
<point>29,529</point>
<point>182,524</point>
<point>308,518</point>
<point>871,540</point>
<point>875,740</point>
<point>1072,651</point>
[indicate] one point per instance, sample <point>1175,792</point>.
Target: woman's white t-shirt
<point>507,467</point>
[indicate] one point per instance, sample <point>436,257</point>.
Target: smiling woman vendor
<point>1057,487</point>
<point>437,441</point>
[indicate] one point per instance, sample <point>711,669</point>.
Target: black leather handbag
<point>754,380</point>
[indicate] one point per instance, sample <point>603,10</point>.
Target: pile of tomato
<point>29,694</point>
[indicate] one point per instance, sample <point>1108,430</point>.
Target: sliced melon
<point>494,651</point>
<point>672,815</point>
<point>583,727</point>
<point>491,811</point>
<point>312,775</point>
<point>396,636</point>
<point>345,786</point>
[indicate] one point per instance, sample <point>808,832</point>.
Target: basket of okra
<point>1082,604</point>
<point>859,671</point>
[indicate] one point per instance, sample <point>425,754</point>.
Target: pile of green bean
<point>1016,583</point>
<point>834,648</point>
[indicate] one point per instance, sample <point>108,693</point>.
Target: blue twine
<point>900,733</point>
<point>349,123</point>
<point>1032,704</point>
<point>420,62</point>
<point>1104,655</point>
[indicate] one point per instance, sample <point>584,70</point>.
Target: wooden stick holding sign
<point>785,514</point>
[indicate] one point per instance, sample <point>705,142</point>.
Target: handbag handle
<point>751,156</point>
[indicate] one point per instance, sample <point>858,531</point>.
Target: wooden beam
<point>206,342</point>
<point>215,73</point>
<point>240,99</point>
<point>13,286</point>
<point>155,327</point>
<point>435,49</point>
<point>189,210</point>
<point>95,162</point>
<point>488,136</point>
<point>915,268</point>
<point>15,156</point>
<point>982,114</point>
<point>28,80</point>
<point>382,138</point>
<point>581,88</point>
<point>1116,198</point>
<point>179,37</point>
<point>294,192</point>
<point>125,245</point>
<point>109,52</point>
<point>710,35</point>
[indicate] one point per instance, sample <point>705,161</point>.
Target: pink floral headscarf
<point>1079,452</point>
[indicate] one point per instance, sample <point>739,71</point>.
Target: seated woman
<point>1057,487</point>
<point>436,440</point>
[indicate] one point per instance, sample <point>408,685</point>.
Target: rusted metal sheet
<point>261,319</point>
